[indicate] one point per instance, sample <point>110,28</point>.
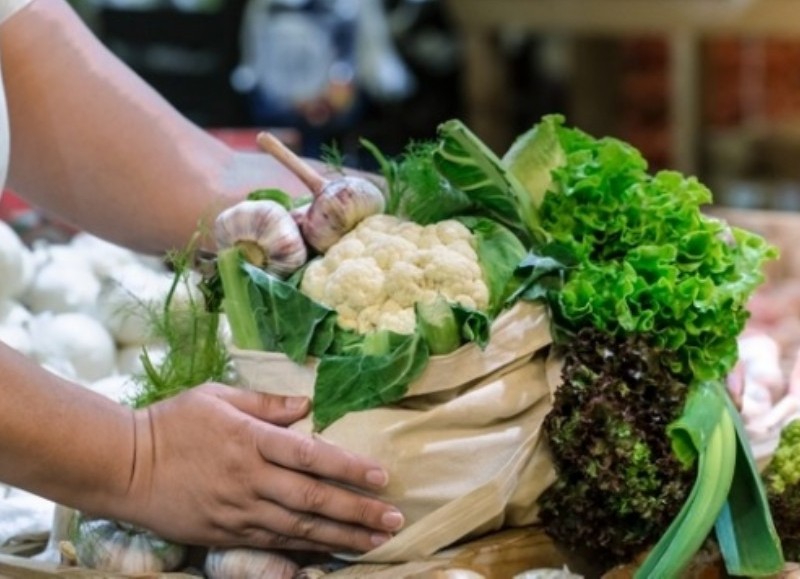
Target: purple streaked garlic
<point>339,204</point>
<point>265,233</point>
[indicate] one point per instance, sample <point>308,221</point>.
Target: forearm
<point>60,440</point>
<point>91,142</point>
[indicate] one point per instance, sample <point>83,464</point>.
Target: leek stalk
<point>236,303</point>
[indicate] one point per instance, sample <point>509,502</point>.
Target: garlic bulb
<point>338,209</point>
<point>339,204</point>
<point>120,548</point>
<point>243,563</point>
<point>266,234</point>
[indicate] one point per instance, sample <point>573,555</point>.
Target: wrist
<point>131,496</point>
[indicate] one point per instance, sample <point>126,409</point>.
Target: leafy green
<point>619,483</point>
<point>277,195</point>
<point>236,300</point>
<point>437,324</point>
<point>531,159</point>
<point>358,382</point>
<point>705,433</point>
<point>332,156</point>
<point>629,254</point>
<point>746,533</point>
<point>266,313</point>
<point>648,259</point>
<point>287,320</point>
<point>416,190</point>
<point>469,166</point>
<point>474,326</point>
<point>194,351</point>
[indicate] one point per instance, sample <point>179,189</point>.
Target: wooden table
<point>683,22</point>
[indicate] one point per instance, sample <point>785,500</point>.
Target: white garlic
<point>244,563</point>
<point>342,205</point>
<point>339,204</point>
<point>265,233</point>
<point>120,548</point>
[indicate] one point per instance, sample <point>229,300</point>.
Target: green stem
<point>706,430</point>
<point>236,303</point>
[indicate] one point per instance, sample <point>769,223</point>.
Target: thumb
<point>280,410</point>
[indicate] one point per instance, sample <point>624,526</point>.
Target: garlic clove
<point>299,214</point>
<point>266,234</point>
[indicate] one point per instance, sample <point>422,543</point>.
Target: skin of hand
<point>262,480</point>
<point>211,466</point>
<point>95,145</point>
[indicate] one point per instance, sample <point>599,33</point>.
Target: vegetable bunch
<point>647,313</point>
<point>647,297</point>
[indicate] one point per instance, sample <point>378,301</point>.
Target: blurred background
<point>710,87</point>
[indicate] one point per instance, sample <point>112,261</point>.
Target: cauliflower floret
<point>357,283</point>
<point>453,274</point>
<point>314,280</point>
<point>409,231</point>
<point>463,247</point>
<point>380,222</point>
<point>428,239</point>
<point>402,321</point>
<point>447,268</point>
<point>404,281</point>
<point>388,249</point>
<point>368,318</point>
<point>450,231</point>
<point>349,247</point>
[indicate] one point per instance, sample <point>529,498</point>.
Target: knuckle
<point>306,452</point>
<point>302,526</point>
<point>314,496</point>
<point>364,512</point>
<point>267,405</point>
<point>211,389</point>
<point>275,541</point>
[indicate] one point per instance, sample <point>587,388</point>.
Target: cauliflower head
<point>376,273</point>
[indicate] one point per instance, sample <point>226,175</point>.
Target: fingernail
<point>377,477</point>
<point>295,402</point>
<point>392,520</point>
<point>379,539</point>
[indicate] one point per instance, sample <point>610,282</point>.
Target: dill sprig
<point>188,326</point>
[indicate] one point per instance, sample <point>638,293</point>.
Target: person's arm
<point>94,144</point>
<point>61,440</point>
<point>214,465</point>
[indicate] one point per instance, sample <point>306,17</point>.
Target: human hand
<point>216,466</point>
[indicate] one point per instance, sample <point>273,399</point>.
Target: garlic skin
<point>120,548</point>
<point>338,205</point>
<point>342,205</point>
<point>243,563</point>
<point>266,234</point>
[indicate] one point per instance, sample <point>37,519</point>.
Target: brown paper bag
<point>464,448</point>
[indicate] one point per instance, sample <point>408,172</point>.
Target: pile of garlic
<point>82,310</point>
<point>767,395</point>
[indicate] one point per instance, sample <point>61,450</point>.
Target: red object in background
<point>12,208</point>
